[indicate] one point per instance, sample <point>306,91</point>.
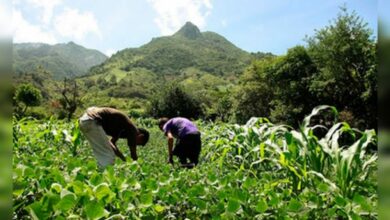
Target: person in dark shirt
<point>97,123</point>
<point>188,140</point>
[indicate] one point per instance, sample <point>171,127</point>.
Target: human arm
<point>133,152</point>
<point>170,147</point>
<point>132,143</point>
<point>116,149</point>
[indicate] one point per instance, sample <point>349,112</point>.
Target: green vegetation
<point>171,55</point>
<point>26,96</point>
<point>62,60</point>
<point>252,171</point>
<point>324,167</point>
<point>337,67</point>
<point>204,63</point>
<point>345,54</point>
<point>173,102</point>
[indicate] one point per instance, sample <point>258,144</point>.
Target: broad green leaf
<point>261,206</point>
<point>354,216</point>
<point>359,199</point>
<point>78,187</point>
<point>201,204</point>
<point>102,191</point>
<point>147,199</point>
<point>340,201</point>
<point>274,201</point>
<point>66,203</point>
<point>18,188</point>
<point>94,210</point>
<point>249,183</point>
<point>233,206</point>
<point>49,201</point>
<point>159,208</point>
<point>323,187</point>
<point>55,187</point>
<point>36,212</point>
<point>294,205</point>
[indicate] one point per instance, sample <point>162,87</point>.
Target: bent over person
<point>96,123</point>
<point>188,140</point>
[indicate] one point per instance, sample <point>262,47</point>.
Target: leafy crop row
<point>258,170</point>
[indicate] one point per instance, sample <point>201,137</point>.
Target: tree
<point>102,82</point>
<point>113,80</point>
<point>70,97</point>
<point>254,94</point>
<point>173,101</point>
<point>39,78</point>
<point>88,83</point>
<point>345,54</point>
<point>29,96</point>
<point>252,100</point>
<point>290,80</point>
<point>224,107</point>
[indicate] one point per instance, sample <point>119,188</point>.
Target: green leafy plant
<point>257,170</point>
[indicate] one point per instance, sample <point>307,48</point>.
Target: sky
<point>109,26</point>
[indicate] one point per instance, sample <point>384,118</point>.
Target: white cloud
<point>26,32</point>
<point>47,6</point>
<point>110,52</point>
<point>75,24</point>
<point>5,26</point>
<point>172,14</point>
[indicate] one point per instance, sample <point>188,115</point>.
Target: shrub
<point>173,101</point>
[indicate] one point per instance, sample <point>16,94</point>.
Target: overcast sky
<point>109,26</point>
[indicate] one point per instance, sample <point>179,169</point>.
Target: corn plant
<point>259,170</point>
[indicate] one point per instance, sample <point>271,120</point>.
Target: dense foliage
<point>173,101</point>
<point>62,60</point>
<point>258,170</point>
<point>26,95</point>
<point>338,67</point>
<point>345,54</point>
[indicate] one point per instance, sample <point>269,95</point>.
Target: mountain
<point>188,48</point>
<point>206,64</point>
<point>62,60</point>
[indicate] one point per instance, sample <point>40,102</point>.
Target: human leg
<point>195,146</point>
<point>100,143</point>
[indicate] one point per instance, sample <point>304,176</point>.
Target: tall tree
<point>290,80</point>
<point>254,94</point>
<point>345,53</point>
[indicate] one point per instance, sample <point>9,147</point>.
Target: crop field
<point>254,171</point>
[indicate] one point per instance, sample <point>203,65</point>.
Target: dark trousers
<point>188,147</point>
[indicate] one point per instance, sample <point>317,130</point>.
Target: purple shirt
<point>180,127</point>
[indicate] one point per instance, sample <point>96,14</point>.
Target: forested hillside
<point>187,48</point>
<point>205,64</point>
<point>61,60</point>
<point>203,75</point>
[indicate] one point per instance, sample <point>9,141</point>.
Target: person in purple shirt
<point>188,141</point>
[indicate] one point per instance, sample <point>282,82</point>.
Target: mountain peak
<point>189,30</point>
